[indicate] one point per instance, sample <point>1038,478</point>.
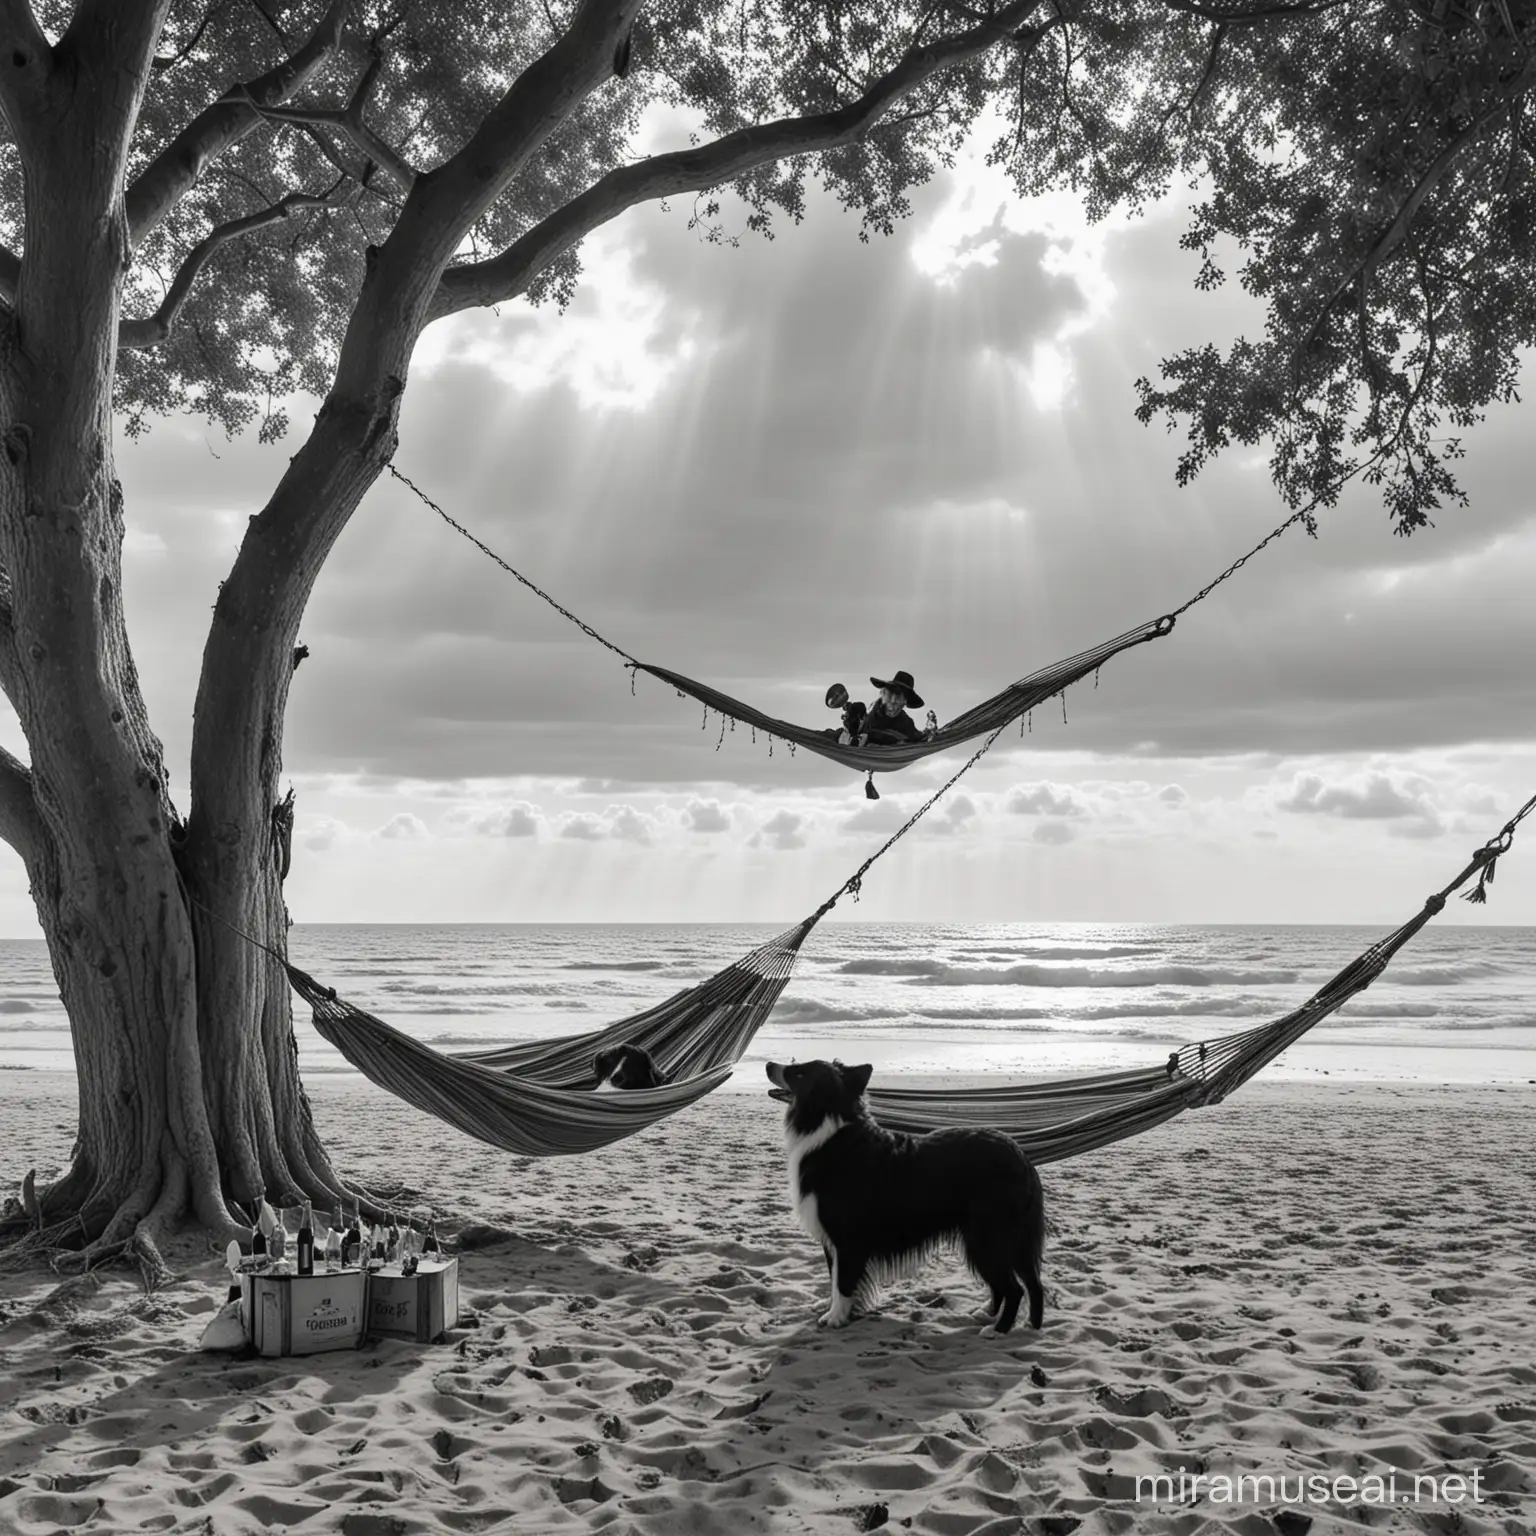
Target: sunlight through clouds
<point>618,344</point>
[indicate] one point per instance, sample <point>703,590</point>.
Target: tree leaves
<point>1369,164</point>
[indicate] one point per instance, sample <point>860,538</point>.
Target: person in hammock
<point>888,724</point>
<point>885,722</point>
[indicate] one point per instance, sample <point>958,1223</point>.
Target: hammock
<point>1013,703</point>
<point>534,1098</point>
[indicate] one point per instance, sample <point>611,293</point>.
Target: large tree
<point>212,205</point>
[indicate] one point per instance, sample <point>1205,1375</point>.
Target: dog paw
<point>833,1317</point>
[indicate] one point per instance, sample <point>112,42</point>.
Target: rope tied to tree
<point>511,570</point>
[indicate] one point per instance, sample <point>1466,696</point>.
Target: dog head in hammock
<point>627,1066</point>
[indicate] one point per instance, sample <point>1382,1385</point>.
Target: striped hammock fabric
<point>536,1098</point>
<point>1013,703</point>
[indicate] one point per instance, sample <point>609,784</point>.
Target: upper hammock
<point>1012,703</point>
<point>535,1098</point>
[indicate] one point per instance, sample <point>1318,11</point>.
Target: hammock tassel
<point>870,792</point>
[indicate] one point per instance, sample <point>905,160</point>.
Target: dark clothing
<point>889,730</point>
<point>854,714</point>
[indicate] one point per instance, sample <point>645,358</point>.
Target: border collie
<point>627,1066</point>
<point>879,1201</point>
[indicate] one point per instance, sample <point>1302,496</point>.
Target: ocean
<point>1457,1005</point>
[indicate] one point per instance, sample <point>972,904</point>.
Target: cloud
<point>1374,796</point>
<point>877,816</point>
<point>403,825</point>
<point>784,830</point>
<point>519,819</point>
<point>706,816</point>
<point>1044,799</point>
<point>321,834</point>
<point>958,811</point>
<point>583,828</point>
<point>1054,833</point>
<point>1173,794</point>
<point>628,825</point>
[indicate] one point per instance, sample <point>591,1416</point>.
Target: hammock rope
<point>1012,703</point>
<point>532,1098</point>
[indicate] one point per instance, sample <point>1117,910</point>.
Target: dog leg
<point>840,1312</point>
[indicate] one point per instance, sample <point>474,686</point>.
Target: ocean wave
<point>461,1010</point>
<point>1061,952</point>
<point>1391,1010</point>
<point>1493,1021</point>
<point>1446,975</point>
<point>980,1011</point>
<point>474,989</point>
<point>893,966</point>
<point>806,1010</point>
<point>566,1002</point>
<point>939,973</point>
<point>17,1005</point>
<point>1199,1007</point>
<point>616,965</point>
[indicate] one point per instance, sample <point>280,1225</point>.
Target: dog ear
<point>604,1062</point>
<point>856,1079</point>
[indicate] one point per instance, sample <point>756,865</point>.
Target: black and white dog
<point>627,1066</point>
<point>879,1201</point>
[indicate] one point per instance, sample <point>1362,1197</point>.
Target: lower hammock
<point>537,1099</point>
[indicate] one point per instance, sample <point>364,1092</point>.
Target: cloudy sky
<point>792,463</point>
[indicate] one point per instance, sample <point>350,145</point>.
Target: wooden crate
<point>420,1306</point>
<point>304,1314</point>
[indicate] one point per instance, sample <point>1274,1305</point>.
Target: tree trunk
<point>188,1080</point>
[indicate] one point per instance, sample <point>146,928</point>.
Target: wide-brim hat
<point>902,681</point>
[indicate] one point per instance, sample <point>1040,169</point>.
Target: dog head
<point>627,1066</point>
<point>817,1091</point>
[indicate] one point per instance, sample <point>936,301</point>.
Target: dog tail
<point>1029,1249</point>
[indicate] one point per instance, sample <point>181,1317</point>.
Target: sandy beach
<point>1327,1283</point>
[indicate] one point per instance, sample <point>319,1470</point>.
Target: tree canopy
<point>1365,169</point>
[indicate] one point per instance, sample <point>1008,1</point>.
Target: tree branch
<point>153,329</point>
<point>171,174</point>
<point>349,123</point>
<point>1252,15</point>
<point>1397,231</point>
<point>20,825</point>
<point>734,155</point>
<point>26,56</point>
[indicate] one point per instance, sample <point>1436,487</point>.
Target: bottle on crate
<point>352,1242</point>
<point>333,1242</point>
<point>258,1237</point>
<point>376,1248</point>
<point>392,1241</point>
<point>277,1241</point>
<point>430,1246</point>
<point>304,1255</point>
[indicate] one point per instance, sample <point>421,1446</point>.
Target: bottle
<point>392,1241</point>
<point>277,1241</point>
<point>351,1242</point>
<point>333,1242</point>
<point>429,1245</point>
<point>258,1239</point>
<point>305,1254</point>
<point>376,1248</point>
